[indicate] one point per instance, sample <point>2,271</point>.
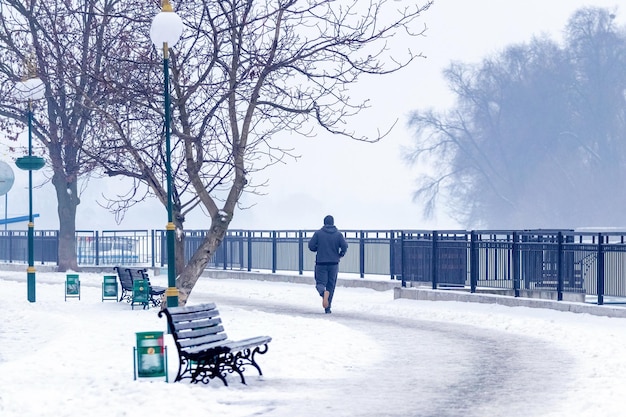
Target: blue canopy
<point>16,219</point>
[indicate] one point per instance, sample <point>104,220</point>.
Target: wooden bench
<point>155,293</point>
<point>204,350</point>
<point>127,275</point>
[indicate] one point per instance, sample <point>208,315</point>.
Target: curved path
<point>430,369</point>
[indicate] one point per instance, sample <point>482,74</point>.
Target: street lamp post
<point>28,90</point>
<point>166,29</point>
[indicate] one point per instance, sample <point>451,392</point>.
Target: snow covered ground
<point>374,356</point>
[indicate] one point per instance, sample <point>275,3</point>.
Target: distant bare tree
<point>537,135</point>
<point>244,72</point>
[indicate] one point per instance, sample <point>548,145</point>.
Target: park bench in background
<point>127,276</point>
<point>155,293</point>
<point>204,350</point>
<point>126,282</point>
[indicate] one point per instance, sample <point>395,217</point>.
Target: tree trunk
<point>192,271</point>
<point>180,241</point>
<point>68,201</point>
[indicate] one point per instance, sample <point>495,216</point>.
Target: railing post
<point>163,250</point>
<point>600,270</point>
<point>274,247</point>
<point>515,259</point>
<point>56,235</point>
<point>362,254</point>
<point>152,246</point>
<point>249,250</point>
<point>402,256</point>
<point>434,261</point>
<point>473,262</point>
<point>300,252</point>
<point>34,244</point>
<point>10,246</point>
<point>97,245</point>
<point>392,254</point>
<point>559,267</point>
<point>240,237</point>
<point>225,251</point>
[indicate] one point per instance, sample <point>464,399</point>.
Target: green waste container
<point>141,293</point>
<point>72,286</point>
<point>109,288</point>
<point>150,355</point>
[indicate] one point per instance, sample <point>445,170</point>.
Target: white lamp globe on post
<point>32,88</point>
<point>165,32</point>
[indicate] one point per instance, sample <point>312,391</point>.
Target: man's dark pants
<point>326,279</point>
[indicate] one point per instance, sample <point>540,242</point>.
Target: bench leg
<point>206,370</point>
<point>156,301</point>
<point>126,296</point>
<point>188,368</point>
<point>230,365</point>
<point>201,370</point>
<point>183,367</point>
<point>245,357</point>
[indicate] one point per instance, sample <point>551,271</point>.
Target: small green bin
<point>150,357</point>
<point>109,288</point>
<point>141,293</point>
<point>72,286</point>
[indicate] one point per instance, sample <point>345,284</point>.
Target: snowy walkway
<point>422,368</point>
<point>374,356</point>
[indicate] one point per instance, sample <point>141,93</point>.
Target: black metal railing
<point>563,261</point>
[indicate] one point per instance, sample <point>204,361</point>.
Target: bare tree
<point>67,42</point>
<point>536,136</point>
<point>244,72</point>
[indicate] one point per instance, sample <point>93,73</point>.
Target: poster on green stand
<point>109,288</point>
<point>72,286</point>
<point>150,358</point>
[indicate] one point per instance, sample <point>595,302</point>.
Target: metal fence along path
<point>592,264</point>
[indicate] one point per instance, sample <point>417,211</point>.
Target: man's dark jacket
<point>329,244</point>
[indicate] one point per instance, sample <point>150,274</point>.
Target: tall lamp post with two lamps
<point>165,32</point>
<point>32,88</point>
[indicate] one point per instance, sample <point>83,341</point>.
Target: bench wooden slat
<point>249,343</point>
<point>194,316</point>
<point>191,309</point>
<point>157,290</point>
<point>184,325</point>
<point>217,347</point>
<point>196,335</point>
<point>201,334</point>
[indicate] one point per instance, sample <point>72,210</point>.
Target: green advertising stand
<point>109,288</point>
<point>72,286</point>
<point>150,356</point>
<point>141,293</point>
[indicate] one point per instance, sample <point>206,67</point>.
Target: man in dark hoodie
<point>330,246</point>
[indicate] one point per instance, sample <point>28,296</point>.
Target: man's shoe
<point>325,302</point>
<point>327,310</point>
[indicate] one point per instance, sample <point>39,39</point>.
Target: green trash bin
<point>150,356</point>
<point>141,293</point>
<point>109,288</point>
<point>72,286</point>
